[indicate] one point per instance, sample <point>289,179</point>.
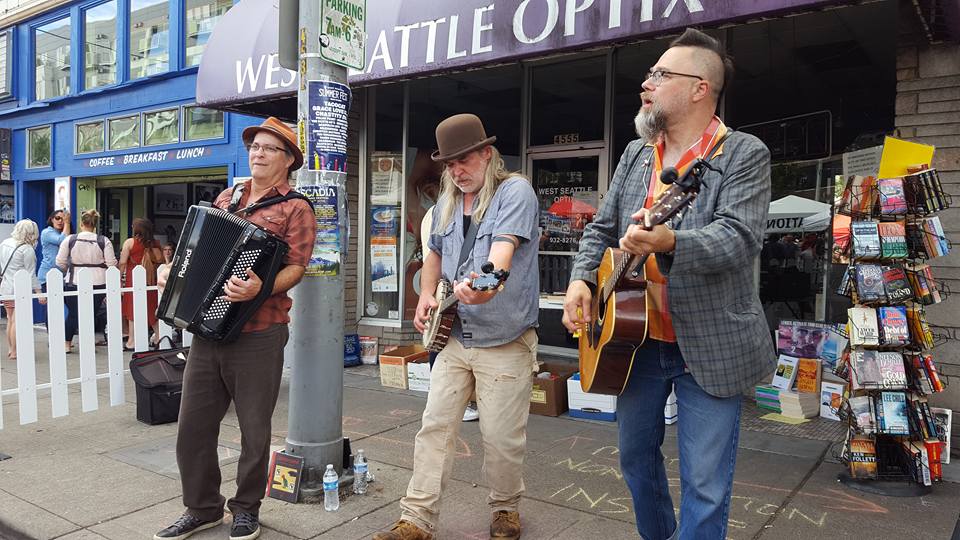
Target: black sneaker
<point>245,526</point>
<point>184,527</point>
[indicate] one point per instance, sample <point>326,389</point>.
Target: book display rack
<point>895,440</point>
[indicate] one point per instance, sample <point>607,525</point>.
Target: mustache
<point>646,96</point>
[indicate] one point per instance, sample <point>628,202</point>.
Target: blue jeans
<point>707,437</point>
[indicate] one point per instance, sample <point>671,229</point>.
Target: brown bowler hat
<point>458,135</point>
<point>278,128</point>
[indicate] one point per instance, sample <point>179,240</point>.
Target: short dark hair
<point>692,37</point>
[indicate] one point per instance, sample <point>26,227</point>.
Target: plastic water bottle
<point>331,495</point>
<point>359,473</point>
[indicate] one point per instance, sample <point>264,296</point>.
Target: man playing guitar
<point>706,333</point>
<point>493,344</point>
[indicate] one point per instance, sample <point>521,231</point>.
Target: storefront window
<point>161,127</point>
<point>381,277</point>
<point>100,45</point>
<point>202,16</point>
<point>5,59</point>
<point>51,45</point>
<point>149,37</point>
<point>567,102</point>
<point>202,123</point>
<point>90,137</point>
<point>38,146</point>
<point>124,132</point>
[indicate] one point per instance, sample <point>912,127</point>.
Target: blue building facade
<point>99,101</point>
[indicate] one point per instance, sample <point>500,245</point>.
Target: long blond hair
<point>450,195</point>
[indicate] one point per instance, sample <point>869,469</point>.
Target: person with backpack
<point>86,249</point>
<point>143,250</point>
<point>16,253</point>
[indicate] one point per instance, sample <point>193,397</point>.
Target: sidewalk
<point>102,475</point>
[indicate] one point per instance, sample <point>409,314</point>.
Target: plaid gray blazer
<point>714,300</point>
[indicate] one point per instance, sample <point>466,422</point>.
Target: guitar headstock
<point>490,279</point>
<point>680,192</point>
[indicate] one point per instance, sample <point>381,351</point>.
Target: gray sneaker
<point>184,527</point>
<point>245,526</point>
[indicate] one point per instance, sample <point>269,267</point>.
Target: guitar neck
<point>633,265</point>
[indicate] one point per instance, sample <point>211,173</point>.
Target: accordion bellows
<point>213,246</point>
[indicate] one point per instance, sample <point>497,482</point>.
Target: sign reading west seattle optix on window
<point>343,28</point>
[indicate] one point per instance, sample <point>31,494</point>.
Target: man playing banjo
<point>493,344</point>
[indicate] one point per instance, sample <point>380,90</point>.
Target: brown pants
<point>248,372</point>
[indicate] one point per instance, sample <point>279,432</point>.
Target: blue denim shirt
<point>50,240</point>
<point>513,210</point>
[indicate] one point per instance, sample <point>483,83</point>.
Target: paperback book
<point>865,369</point>
<point>862,457</point>
<point>892,197</point>
<point>866,239</point>
<point>831,398</point>
<point>892,413</point>
<point>870,286</point>
<point>802,338</point>
<point>893,374</point>
<point>862,409</point>
<point>808,375</point>
<point>786,372</point>
<point>864,329</point>
<point>893,239</point>
<point>893,325</point>
<point>896,286</point>
<point>943,418</point>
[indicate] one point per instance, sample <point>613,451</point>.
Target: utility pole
<point>316,349</point>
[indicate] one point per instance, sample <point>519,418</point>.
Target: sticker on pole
<point>343,29</point>
<point>329,109</point>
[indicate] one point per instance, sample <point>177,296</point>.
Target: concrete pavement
<point>103,475</point>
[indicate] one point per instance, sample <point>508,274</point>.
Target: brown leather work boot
<point>505,525</point>
<point>404,530</point>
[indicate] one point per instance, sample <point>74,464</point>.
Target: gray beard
<point>650,125</point>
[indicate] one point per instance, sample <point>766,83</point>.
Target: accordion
<point>214,246</point>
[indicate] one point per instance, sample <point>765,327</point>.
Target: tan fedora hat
<point>278,128</point>
<point>458,135</point>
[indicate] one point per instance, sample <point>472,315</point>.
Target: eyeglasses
<point>58,218</point>
<point>268,149</point>
<point>656,76</point>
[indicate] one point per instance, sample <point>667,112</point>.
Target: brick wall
<point>928,111</point>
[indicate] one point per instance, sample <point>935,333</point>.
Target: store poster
<point>384,239</point>
<point>61,193</point>
<point>386,177</point>
<point>325,259</point>
<point>328,109</point>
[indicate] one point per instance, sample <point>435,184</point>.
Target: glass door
<point>569,186</point>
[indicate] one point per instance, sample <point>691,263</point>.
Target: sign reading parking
<point>343,27</point>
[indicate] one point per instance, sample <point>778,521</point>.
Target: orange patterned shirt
<point>659,323</point>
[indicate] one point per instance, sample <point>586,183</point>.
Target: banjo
<point>441,318</point>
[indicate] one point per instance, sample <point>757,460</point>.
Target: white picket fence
<point>27,354</point>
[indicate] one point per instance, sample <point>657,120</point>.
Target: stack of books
<point>768,397</point>
<point>799,404</point>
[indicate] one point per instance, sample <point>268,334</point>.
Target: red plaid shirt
<point>659,322</point>
<point>293,222</point>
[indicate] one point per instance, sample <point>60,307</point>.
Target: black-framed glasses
<point>58,218</point>
<point>267,148</point>
<point>657,75</point>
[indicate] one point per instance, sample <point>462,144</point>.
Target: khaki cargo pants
<point>501,376</point>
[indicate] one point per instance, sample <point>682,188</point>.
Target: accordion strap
<point>238,194</point>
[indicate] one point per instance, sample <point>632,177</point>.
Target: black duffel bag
<point>158,376</point>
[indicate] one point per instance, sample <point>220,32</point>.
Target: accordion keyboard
<point>218,308</point>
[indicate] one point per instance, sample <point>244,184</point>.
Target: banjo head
<point>433,325</point>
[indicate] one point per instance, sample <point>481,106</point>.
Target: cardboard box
<point>548,397</point>
<point>418,376</point>
<point>590,406</point>
<point>393,365</point>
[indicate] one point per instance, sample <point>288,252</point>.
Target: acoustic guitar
<point>618,309</point>
<point>441,318</point>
